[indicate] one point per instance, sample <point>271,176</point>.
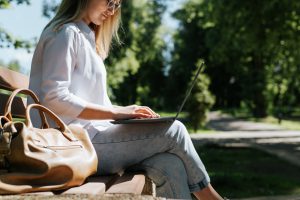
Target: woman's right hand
<point>133,111</point>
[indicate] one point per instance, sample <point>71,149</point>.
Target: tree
<point>242,43</point>
<point>14,65</point>
<point>136,69</point>
<point>200,101</point>
<point>8,40</point>
<point>187,42</point>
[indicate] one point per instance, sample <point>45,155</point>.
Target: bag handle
<point>62,126</point>
<point>7,109</point>
<point>3,121</point>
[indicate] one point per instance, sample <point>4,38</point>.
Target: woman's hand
<point>133,111</point>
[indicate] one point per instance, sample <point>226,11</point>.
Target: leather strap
<point>3,121</point>
<point>62,126</point>
<point>7,109</point>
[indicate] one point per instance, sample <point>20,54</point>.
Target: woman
<point>69,77</point>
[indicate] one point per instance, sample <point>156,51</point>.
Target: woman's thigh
<point>121,146</point>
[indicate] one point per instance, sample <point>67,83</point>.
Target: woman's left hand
<point>146,110</point>
<point>133,111</point>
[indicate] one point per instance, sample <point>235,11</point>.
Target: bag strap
<point>7,109</point>
<point>61,125</point>
<point>3,121</point>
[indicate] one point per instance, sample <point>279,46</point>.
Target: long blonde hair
<point>72,10</point>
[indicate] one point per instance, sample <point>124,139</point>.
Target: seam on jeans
<point>129,140</point>
<point>164,173</point>
<point>173,143</point>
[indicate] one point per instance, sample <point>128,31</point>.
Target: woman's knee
<point>166,167</point>
<point>168,163</point>
<point>162,165</point>
<point>177,131</point>
<point>169,174</point>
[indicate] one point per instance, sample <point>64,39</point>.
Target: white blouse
<point>67,73</point>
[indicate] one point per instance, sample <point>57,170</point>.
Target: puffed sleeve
<point>59,61</point>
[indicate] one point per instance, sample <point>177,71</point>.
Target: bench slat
<point>10,80</point>
<point>128,183</point>
<point>18,106</point>
<point>94,186</point>
<point>38,194</point>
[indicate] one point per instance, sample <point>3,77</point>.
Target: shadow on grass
<point>246,172</point>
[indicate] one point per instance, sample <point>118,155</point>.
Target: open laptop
<point>162,119</point>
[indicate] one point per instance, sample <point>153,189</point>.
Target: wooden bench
<point>128,183</point>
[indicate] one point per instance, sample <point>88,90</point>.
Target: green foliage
<point>136,69</point>
<point>187,50</point>
<point>6,3</point>
<point>251,49</point>
<point>14,65</point>
<point>200,101</point>
<point>6,39</point>
<point>49,8</point>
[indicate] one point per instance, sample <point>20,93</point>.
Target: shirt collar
<point>86,30</point>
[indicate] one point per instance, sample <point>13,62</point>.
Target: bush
<point>200,100</point>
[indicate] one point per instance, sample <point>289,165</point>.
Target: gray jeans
<point>163,150</point>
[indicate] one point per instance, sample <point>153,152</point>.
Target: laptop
<point>162,119</point>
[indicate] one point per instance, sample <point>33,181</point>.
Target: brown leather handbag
<point>43,159</point>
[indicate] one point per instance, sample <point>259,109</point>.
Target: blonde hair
<point>72,10</point>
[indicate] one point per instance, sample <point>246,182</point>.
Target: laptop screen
<point>190,88</point>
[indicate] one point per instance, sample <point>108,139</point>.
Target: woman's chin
<point>98,22</point>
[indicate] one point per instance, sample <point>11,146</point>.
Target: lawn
<point>183,118</point>
<point>246,172</point>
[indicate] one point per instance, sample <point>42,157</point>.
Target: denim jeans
<point>163,150</point>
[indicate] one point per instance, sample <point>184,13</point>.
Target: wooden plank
<point>38,194</point>
<point>108,180</point>
<point>128,183</point>
<point>18,107</point>
<point>94,186</point>
<point>10,80</point>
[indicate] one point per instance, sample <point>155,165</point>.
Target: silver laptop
<point>162,119</point>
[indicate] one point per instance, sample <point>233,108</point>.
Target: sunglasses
<point>113,6</point>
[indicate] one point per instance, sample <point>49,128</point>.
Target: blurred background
<point>251,51</point>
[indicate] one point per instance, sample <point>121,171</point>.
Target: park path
<point>237,132</point>
<point>224,122</point>
<point>267,137</point>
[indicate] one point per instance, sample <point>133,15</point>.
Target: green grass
<point>238,113</point>
<point>165,113</point>
<point>246,172</point>
<point>183,118</point>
